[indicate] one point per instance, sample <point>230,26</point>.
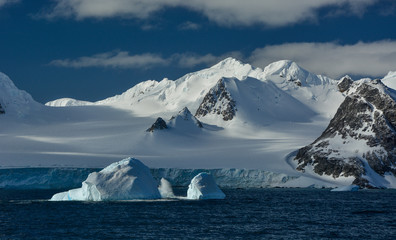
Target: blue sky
<point>93,49</point>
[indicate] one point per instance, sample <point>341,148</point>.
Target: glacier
<point>64,178</point>
<point>225,177</point>
<point>43,178</point>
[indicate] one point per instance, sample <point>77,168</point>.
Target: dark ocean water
<point>244,214</point>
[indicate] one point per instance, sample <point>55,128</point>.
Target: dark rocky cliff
<point>2,111</point>
<point>159,124</point>
<point>361,137</point>
<point>218,101</point>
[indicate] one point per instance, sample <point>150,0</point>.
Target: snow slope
<point>67,102</point>
<point>94,135</point>
<point>13,101</point>
<point>390,80</point>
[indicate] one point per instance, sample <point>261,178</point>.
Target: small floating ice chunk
<point>349,188</point>
<point>203,186</point>
<point>127,179</point>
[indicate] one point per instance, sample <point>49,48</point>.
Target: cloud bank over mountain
<point>373,59</point>
<point>226,13</point>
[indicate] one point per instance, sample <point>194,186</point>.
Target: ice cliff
<point>64,178</point>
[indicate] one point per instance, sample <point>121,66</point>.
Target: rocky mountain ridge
<point>218,101</point>
<point>183,120</point>
<point>360,140</point>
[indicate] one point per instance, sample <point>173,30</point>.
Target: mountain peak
<point>184,116</point>
<point>185,113</point>
<point>159,124</point>
<point>284,67</point>
<point>218,101</point>
<point>293,73</point>
<point>345,83</point>
<point>11,98</point>
<point>231,63</point>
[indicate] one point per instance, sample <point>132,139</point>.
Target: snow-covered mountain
<point>14,101</point>
<point>360,141</point>
<point>251,100</point>
<point>270,93</point>
<point>252,118</point>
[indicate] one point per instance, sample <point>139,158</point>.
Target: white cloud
<point>188,60</point>
<point>189,26</point>
<point>4,2</point>
<point>115,59</point>
<point>81,9</point>
<point>334,60</point>
<point>230,12</point>
<point>191,60</point>
<point>122,59</point>
<point>374,59</point>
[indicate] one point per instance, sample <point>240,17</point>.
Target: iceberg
<point>349,188</point>
<point>203,186</point>
<point>124,180</point>
<point>165,189</point>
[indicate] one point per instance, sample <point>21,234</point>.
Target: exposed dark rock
<point>179,120</point>
<point>159,124</point>
<point>345,83</point>
<point>218,101</point>
<point>367,115</point>
<point>2,111</point>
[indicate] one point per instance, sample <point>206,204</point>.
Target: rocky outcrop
<point>159,124</point>
<point>183,120</point>
<point>218,101</point>
<point>2,111</point>
<point>345,83</point>
<point>361,137</point>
